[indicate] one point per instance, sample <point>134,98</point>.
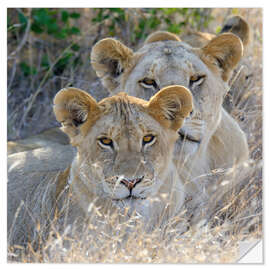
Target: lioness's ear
<point>222,54</point>
<point>76,110</point>
<point>238,26</point>
<point>160,36</point>
<point>170,106</point>
<point>110,58</point>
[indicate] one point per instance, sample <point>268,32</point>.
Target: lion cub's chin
<point>146,208</point>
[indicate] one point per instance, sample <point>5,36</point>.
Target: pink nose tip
<point>131,183</point>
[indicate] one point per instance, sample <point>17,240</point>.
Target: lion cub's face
<point>124,143</point>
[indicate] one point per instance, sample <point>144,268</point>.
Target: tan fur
<point>109,67</point>
<point>96,171</point>
<point>238,26</point>
<point>46,138</point>
<point>202,40</point>
<point>161,36</point>
<point>14,147</point>
<point>197,39</point>
<point>210,137</point>
<point>227,49</point>
<point>62,182</point>
<point>74,104</point>
<point>169,108</point>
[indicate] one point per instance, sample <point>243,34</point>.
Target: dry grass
<point>227,218</point>
<point>109,241</point>
<point>221,223</point>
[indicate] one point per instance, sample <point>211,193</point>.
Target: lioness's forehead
<point>170,52</point>
<point>167,48</point>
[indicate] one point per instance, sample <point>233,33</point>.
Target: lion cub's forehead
<point>125,115</point>
<point>122,106</point>
<point>121,102</point>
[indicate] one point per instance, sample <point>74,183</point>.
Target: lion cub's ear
<point>222,54</point>
<point>110,58</point>
<point>76,110</point>
<point>161,36</point>
<point>170,106</point>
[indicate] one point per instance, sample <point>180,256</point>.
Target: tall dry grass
<point>228,217</point>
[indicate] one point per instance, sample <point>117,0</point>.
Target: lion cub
<point>123,161</point>
<point>124,147</point>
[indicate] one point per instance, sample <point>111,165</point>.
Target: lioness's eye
<point>148,139</point>
<point>197,79</point>
<point>106,141</point>
<point>147,83</point>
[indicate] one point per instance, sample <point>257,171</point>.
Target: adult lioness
<point>210,138</point>
<point>124,157</point>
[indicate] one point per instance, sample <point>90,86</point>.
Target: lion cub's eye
<point>148,139</point>
<point>148,83</point>
<point>196,79</point>
<point>106,141</point>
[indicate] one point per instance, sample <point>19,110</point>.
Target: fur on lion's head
<point>113,61</point>
<point>124,144</point>
<point>164,60</point>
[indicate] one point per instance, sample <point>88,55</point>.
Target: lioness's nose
<point>131,183</point>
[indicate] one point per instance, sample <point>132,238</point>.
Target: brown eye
<point>106,141</point>
<point>196,79</point>
<point>147,83</point>
<point>148,139</point>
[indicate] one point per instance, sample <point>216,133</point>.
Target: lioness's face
<point>169,63</point>
<point>124,144</point>
<point>160,63</point>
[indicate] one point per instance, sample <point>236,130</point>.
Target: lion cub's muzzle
<point>131,183</point>
<point>123,187</point>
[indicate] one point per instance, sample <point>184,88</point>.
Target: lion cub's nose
<point>131,183</point>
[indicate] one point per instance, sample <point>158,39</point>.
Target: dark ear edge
<point>170,106</point>
<point>238,26</point>
<point>72,108</point>
<point>110,58</point>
